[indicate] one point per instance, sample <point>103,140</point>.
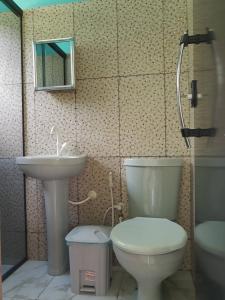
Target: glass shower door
<point>209,152</point>
<point>12,204</point>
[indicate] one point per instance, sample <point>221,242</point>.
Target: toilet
<point>150,245</point>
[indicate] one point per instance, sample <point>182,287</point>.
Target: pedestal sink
<point>54,171</point>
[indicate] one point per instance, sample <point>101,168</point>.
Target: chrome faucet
<point>59,150</point>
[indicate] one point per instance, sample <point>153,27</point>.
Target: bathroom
<point>115,126</point>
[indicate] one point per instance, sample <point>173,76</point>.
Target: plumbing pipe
<point>92,195</point>
<point>118,207</point>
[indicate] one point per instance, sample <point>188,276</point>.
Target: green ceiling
<point>27,4</point>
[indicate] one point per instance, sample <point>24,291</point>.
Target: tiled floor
<point>31,281</point>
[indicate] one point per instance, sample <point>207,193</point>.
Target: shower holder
<point>198,132</point>
<point>187,39</point>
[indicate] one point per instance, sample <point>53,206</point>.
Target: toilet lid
<point>210,236</point>
<point>148,236</point>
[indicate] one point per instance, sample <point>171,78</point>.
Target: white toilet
<point>150,246</point>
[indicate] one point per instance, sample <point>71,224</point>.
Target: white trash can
<point>90,254</point>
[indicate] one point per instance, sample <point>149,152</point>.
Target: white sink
<point>52,167</point>
<point>54,171</point>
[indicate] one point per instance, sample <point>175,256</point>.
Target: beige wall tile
<point>27,46</point>
<point>31,205</point>
<point>96,38</point>
<point>142,116</point>
<point>184,208</point>
<point>187,265</point>
<point>42,246</point>
<point>55,109</point>
<point>175,144</point>
<point>29,120</point>
<point>175,24</point>
<point>41,208</point>
<point>73,196</point>
<point>140,37</point>
<point>98,117</point>
<point>11,121</point>
<point>10,45</point>
<point>95,177</point>
<point>32,246</point>
<point>53,22</point>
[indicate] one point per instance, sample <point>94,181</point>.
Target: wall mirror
<point>54,64</point>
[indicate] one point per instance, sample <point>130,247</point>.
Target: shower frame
<point>19,13</point>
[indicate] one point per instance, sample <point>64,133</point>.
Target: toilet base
<point>149,292</point>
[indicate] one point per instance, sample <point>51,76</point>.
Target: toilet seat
<point>148,236</point>
<point>210,236</point>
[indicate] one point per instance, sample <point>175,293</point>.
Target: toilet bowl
<point>150,246</point>
<point>150,249</point>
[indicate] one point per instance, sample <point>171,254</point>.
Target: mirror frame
<point>72,65</point>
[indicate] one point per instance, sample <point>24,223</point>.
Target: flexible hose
<point>91,196</point>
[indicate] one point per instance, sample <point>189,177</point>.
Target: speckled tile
<point>31,205</point>
<point>53,22</point>
<point>140,36</point>
<point>29,120</point>
<point>95,30</point>
<point>55,109</point>
<point>10,45</point>
<point>175,144</point>
<point>175,24</point>
<point>95,177</point>
<point>142,116</point>
<point>98,117</point>
<point>42,246</point>
<point>184,208</point>
<point>32,245</point>
<point>27,46</point>
<point>73,196</point>
<point>187,265</point>
<point>11,120</point>
<point>41,208</point>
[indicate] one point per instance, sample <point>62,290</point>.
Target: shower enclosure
<point>206,139</point>
<point>12,198</point>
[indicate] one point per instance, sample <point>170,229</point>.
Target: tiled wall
<point>124,104</point>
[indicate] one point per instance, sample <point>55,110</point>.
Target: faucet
<point>59,150</point>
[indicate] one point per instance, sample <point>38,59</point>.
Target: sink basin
<point>54,172</point>
<point>51,167</point>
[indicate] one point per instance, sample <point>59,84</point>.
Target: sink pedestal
<point>56,207</point>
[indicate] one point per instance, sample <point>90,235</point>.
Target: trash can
<point>90,254</point>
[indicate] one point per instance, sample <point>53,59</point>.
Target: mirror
<point>54,64</point>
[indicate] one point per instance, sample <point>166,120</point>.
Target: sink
<point>54,172</point>
<point>51,167</point>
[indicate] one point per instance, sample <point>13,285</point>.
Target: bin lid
<point>90,234</point>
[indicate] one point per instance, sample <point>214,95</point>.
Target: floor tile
<point>128,290</point>
<point>28,282</point>
<point>32,282</point>
<point>58,289</point>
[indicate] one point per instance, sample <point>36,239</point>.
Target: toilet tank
<point>153,187</point>
<point>209,189</point>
